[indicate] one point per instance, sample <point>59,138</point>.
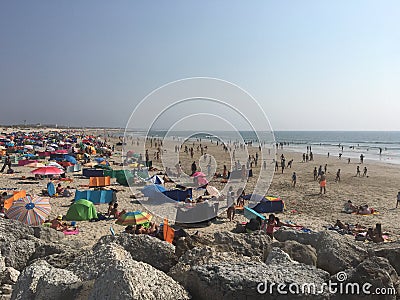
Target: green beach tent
<point>81,210</point>
<point>124,177</point>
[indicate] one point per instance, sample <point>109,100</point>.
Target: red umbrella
<point>47,171</point>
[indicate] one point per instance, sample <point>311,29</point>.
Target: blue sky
<point>312,65</point>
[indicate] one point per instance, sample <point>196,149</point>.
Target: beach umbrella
<point>54,164</point>
<point>29,155</point>
<point>134,218</point>
<point>213,191</point>
<point>30,210</point>
<point>47,171</point>
<point>61,151</point>
<point>70,158</point>
<point>35,165</point>
<point>201,178</point>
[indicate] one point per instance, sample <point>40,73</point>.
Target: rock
<point>391,251</point>
<point>277,256</point>
<point>371,274</point>
<point>57,284</point>
<point>298,252</point>
<point>129,279</point>
<point>209,274</point>
<point>10,276</point>
<point>6,289</point>
<point>305,238</point>
<point>48,234</point>
<point>2,267</point>
<point>20,247</point>
<point>189,242</point>
<point>25,287</point>
<point>248,244</point>
<point>143,247</point>
<point>91,264</point>
<point>337,252</point>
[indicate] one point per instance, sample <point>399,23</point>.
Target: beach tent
<point>96,197</point>
<point>156,179</point>
<point>269,205</point>
<point>81,210</point>
<point>153,190</point>
<point>124,177</point>
<point>93,172</point>
<point>178,195</point>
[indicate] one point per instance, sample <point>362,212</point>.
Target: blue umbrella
<point>70,159</point>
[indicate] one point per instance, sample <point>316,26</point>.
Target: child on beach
<point>358,172</point>
<point>271,223</point>
<point>294,179</point>
<point>398,199</point>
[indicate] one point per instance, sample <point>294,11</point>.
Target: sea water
<point>383,146</point>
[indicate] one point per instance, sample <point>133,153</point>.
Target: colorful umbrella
<point>47,171</point>
<point>35,165</point>
<point>134,218</point>
<point>31,211</point>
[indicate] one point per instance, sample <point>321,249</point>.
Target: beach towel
<point>71,232</point>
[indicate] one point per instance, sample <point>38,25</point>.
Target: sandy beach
<point>304,204</point>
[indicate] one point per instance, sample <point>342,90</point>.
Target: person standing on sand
<point>365,171</point>
<point>337,179</point>
<point>326,168</point>
<point>315,174</point>
<point>358,172</point>
<point>322,183</point>
<point>276,166</point>
<point>362,158</point>
<point>194,168</point>
<point>294,179</point>
<point>398,199</point>
<point>348,160</point>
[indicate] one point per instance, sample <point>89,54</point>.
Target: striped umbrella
<point>31,211</point>
<point>134,218</point>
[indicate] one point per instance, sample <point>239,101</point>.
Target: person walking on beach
<point>322,183</point>
<point>315,174</point>
<point>7,162</point>
<point>194,167</point>
<point>319,170</point>
<point>365,171</point>
<point>362,158</point>
<point>283,165</point>
<point>348,160</point>
<point>337,179</point>
<point>358,172</point>
<point>276,166</point>
<point>326,168</point>
<point>294,179</point>
<point>340,155</point>
<point>398,199</point>
<point>304,157</point>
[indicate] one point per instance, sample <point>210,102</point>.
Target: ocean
<point>383,146</point>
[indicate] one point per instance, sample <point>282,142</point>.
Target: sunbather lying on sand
<point>365,210</point>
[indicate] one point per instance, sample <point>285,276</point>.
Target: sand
<point>304,204</point>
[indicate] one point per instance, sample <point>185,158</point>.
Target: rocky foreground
<point>37,263</point>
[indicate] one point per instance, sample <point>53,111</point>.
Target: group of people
<point>350,208</point>
<point>267,225</point>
